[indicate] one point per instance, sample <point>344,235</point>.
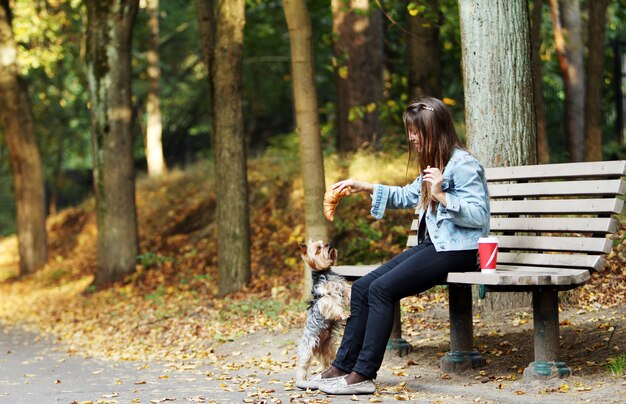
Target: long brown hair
<point>431,120</point>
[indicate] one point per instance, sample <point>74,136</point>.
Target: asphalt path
<point>34,370</point>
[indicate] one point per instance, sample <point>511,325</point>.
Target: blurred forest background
<point>52,42</point>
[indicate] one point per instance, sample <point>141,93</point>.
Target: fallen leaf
<point>112,395</point>
<point>162,400</point>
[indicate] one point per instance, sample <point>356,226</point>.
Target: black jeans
<point>373,296</point>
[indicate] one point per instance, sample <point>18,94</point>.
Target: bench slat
<point>598,187</point>
<point>593,262</point>
<point>551,224</point>
<point>558,206</point>
<point>563,170</point>
<point>554,224</point>
<point>353,270</point>
<point>546,243</point>
<point>511,275</point>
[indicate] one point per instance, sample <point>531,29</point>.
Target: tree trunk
<point>422,46</point>
<point>307,124</point>
<point>206,28</point>
<point>595,79</point>
<point>154,146</point>
<point>109,34</point>
<point>25,161</point>
<point>233,244</point>
<point>358,55</point>
<point>498,85</point>
<point>568,40</point>
<point>543,148</point>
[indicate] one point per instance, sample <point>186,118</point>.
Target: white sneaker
<point>314,382</point>
<point>341,387</point>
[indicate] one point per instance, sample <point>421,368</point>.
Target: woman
<point>451,193</point>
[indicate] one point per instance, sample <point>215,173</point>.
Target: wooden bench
<point>552,223</point>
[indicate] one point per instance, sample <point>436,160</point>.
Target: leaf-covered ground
<point>170,310</point>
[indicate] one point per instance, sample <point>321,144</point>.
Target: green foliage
<point>157,295</point>
<point>617,365</point>
<point>361,240</point>
<point>150,259</point>
<point>614,151</point>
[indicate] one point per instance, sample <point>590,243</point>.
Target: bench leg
<point>462,355</point>
<point>546,325</point>
<point>397,344</point>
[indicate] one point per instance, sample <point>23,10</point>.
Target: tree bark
<point>358,55</point>
<point>595,79</point>
<point>568,40</point>
<point>233,242</point>
<point>422,46</point>
<point>307,124</point>
<point>498,85</point>
<point>206,28</point>
<point>109,34</point>
<point>543,148</point>
<point>19,130</point>
<point>154,145</point>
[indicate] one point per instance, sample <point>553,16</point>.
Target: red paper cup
<point>488,253</point>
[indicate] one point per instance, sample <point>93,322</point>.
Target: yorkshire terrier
<point>331,300</point>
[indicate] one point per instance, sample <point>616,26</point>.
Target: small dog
<point>331,299</point>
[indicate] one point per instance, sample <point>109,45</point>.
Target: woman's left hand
<point>434,176</point>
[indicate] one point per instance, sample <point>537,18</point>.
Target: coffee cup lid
<point>489,239</point>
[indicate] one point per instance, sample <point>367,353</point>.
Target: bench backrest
<point>555,215</point>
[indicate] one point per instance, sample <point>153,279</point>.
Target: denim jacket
<point>458,225</point>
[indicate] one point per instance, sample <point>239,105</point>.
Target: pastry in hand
<point>331,198</point>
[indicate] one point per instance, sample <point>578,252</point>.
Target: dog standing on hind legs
<point>331,299</point>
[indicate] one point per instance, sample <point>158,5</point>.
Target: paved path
<point>34,371</point>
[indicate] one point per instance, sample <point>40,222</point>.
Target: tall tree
<point>543,148</point>
<point>19,130</point>
<point>154,145</point>
<point>498,84</point>
<point>358,56</point>
<point>595,77</point>
<point>422,45</point>
<point>307,122</point>
<point>233,225</point>
<point>566,26</point>
<point>109,33</point>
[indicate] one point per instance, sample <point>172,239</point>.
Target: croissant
<point>331,199</point>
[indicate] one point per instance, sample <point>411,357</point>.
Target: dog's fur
<point>331,299</point>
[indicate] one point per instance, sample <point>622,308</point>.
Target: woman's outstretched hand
<point>434,176</point>
<point>355,186</point>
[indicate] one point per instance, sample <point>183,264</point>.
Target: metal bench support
<point>462,355</point>
<point>546,326</point>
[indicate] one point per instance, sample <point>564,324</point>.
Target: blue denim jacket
<point>458,225</point>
